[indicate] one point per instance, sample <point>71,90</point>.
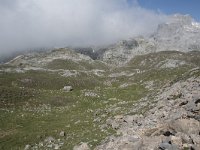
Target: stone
<point>167,146</point>
<point>49,139</point>
<point>91,94</point>
<point>195,139</point>
<point>129,119</point>
<point>82,146</point>
<point>115,125</point>
<point>40,144</point>
<point>109,122</point>
<point>50,145</point>
<point>197,117</point>
<point>27,147</point>
<point>56,146</point>
<point>67,88</point>
<point>191,106</point>
<point>131,146</point>
<point>118,117</point>
<point>187,126</point>
<point>185,146</point>
<point>177,141</point>
<point>62,133</point>
<point>185,138</point>
<point>97,120</point>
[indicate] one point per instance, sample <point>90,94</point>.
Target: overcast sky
<point>26,24</point>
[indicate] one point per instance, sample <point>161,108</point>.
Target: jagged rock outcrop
<point>180,33</point>
<point>122,52</point>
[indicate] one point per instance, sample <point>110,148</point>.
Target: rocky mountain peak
<point>177,24</point>
<point>180,19</point>
<point>180,33</point>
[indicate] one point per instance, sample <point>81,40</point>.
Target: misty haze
<point>59,23</point>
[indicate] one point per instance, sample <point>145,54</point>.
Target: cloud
<point>26,24</point>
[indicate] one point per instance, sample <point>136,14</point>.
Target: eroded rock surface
<point>173,123</point>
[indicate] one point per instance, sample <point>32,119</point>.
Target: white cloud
<point>26,24</point>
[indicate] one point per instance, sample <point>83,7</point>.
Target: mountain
<point>180,33</point>
<point>138,93</point>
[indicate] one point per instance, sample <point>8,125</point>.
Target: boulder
<point>56,146</point>
<point>191,106</point>
<point>177,141</point>
<point>168,146</point>
<point>187,126</point>
<point>62,133</point>
<point>67,88</point>
<point>82,146</point>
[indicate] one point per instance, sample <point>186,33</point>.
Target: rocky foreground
<point>173,123</point>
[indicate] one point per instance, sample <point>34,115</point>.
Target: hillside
<point>140,93</point>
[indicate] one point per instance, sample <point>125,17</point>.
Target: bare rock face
<point>168,125</point>
<point>121,52</point>
<point>179,33</point>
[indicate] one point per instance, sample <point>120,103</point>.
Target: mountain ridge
<point>179,33</point>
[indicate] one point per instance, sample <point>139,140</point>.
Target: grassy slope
<point>33,109</point>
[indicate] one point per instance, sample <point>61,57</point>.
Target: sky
<point>191,7</point>
<point>31,24</point>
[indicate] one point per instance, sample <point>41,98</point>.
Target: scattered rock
<point>171,124</point>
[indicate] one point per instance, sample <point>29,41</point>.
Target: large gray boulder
<point>67,88</point>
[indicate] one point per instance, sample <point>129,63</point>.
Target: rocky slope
<point>172,123</point>
<point>40,59</point>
